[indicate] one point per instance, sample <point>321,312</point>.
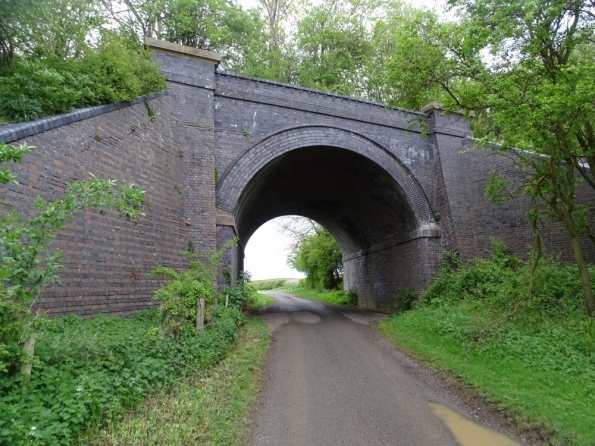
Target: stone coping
<point>21,130</point>
<point>161,46</point>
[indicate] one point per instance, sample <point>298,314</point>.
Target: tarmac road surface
<point>332,379</point>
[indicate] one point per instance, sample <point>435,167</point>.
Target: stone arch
<point>245,168</point>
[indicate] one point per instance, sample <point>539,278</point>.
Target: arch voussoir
<point>237,177</point>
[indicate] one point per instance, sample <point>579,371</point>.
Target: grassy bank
<point>532,356</point>
<point>208,407</point>
<point>260,301</point>
<point>334,297</point>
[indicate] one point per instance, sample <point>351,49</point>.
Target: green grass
<point>334,297</point>
<point>546,377</point>
<point>210,407</point>
<point>260,301</point>
<point>272,284</point>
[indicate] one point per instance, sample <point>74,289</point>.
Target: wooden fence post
<point>28,351</point>
<point>226,300</point>
<point>200,314</point>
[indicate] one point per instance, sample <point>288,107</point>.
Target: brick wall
<point>106,259</point>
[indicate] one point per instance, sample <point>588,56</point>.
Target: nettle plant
<point>26,261</point>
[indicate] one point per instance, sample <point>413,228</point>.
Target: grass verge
<point>260,301</point>
<point>534,376</point>
<point>211,407</point>
<point>531,352</point>
<point>334,297</point>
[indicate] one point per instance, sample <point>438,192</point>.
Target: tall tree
<point>528,66</point>
<point>333,41</point>
<point>276,12</point>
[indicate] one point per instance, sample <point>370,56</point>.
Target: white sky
<point>266,252</point>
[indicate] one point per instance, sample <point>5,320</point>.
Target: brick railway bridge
<point>226,153</point>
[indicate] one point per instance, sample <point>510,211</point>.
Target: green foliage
<point>243,294</point>
<point>26,262</point>
<point>318,256</point>
<point>88,372</point>
<point>502,283</point>
<point>206,407</point>
<point>336,297</point>
<point>406,299</point>
<point>9,153</point>
<point>260,301</point>
<point>532,352</point>
<point>113,72</point>
<point>179,297</point>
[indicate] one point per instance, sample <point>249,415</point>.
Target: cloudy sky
<point>266,252</point>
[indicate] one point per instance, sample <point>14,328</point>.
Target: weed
<point>91,371</point>
<point>150,109</point>
<point>245,131</point>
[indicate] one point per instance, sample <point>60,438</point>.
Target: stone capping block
<point>176,49</point>
<point>15,132</point>
<point>224,218</point>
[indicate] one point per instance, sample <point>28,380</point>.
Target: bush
<point>243,294</point>
<point>90,371</point>
<point>501,284</point>
<point>113,72</point>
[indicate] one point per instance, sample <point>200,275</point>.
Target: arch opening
<point>370,203</point>
<point>355,199</point>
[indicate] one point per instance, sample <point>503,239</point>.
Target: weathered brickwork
<point>395,187</point>
<point>106,258</point>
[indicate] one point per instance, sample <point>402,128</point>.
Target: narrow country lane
<point>333,380</point>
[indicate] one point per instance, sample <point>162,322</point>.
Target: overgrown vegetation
<point>207,407</point>
<point>26,262</point>
<point>91,371</point>
<point>532,353</point>
<point>114,71</point>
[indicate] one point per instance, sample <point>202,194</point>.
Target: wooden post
<point>200,314</point>
<point>226,300</point>
<point>28,351</point>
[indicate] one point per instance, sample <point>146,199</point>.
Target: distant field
<point>271,284</point>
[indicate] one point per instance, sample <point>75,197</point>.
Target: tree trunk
<point>582,267</point>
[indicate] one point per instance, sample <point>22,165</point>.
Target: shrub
<point>501,283</point>
<point>113,72</point>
